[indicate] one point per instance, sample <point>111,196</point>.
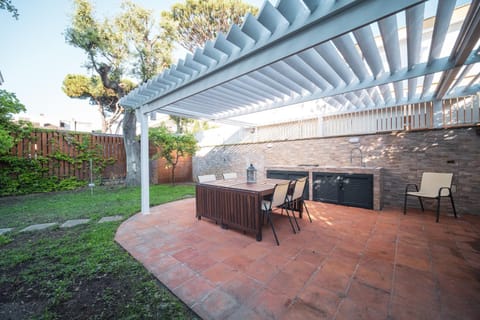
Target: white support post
<point>145,177</point>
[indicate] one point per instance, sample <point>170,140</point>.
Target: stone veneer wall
<point>404,156</point>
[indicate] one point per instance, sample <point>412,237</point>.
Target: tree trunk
<point>173,174</point>
<point>132,148</point>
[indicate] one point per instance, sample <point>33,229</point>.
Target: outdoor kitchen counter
<point>377,173</point>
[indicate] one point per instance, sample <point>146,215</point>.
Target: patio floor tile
<point>176,276</point>
<point>217,305</point>
<point>242,287</point>
<point>324,301</point>
<point>195,290</point>
<point>219,273</point>
<point>364,302</point>
<point>377,273</point>
<point>349,263</point>
<point>301,310</point>
<point>238,262</point>
<point>245,312</point>
<point>263,270</point>
<point>270,304</point>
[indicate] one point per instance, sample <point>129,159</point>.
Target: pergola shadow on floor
<point>349,263</point>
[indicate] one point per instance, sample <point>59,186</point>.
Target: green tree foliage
<point>195,21</point>
<point>130,44</point>
<point>91,88</point>
<point>7,5</point>
<point>150,49</point>
<point>172,146</point>
<point>9,105</point>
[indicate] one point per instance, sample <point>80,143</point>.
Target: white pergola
<point>352,54</point>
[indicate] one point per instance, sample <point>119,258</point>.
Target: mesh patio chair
<point>206,178</point>
<point>277,200</point>
<point>230,175</point>
<point>296,199</point>
<point>434,186</point>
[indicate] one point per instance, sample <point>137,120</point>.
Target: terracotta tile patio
<point>349,263</point>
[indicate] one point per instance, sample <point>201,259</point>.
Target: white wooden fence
<point>461,111</point>
<point>455,112</point>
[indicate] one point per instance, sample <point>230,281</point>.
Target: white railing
<point>405,117</point>
<point>455,112</point>
<point>288,131</point>
<point>461,111</point>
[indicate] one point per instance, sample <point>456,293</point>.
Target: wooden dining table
<point>234,203</point>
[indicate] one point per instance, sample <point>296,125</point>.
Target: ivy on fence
<point>62,163</point>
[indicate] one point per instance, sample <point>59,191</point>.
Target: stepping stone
<point>110,219</point>
<point>73,223</point>
<point>5,230</point>
<point>36,227</point>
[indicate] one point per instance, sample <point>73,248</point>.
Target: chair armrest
<point>409,185</point>
<point>440,191</point>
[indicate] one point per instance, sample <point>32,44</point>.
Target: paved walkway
<point>66,224</point>
<point>348,264</point>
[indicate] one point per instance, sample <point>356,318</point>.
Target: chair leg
<point>269,219</point>
<point>438,208</point>
<point>290,219</point>
<point>306,209</point>
<point>421,203</point>
<point>295,218</point>
<point>405,204</point>
<point>453,206</point>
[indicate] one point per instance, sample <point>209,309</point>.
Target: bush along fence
<point>44,161</point>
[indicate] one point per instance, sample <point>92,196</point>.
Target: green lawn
<point>80,272</point>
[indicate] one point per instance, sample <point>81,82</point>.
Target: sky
<point>34,57</point>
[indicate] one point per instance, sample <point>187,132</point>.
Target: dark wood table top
<point>241,184</point>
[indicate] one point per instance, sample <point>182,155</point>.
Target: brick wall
<point>403,155</point>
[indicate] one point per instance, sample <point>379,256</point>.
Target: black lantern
<point>251,174</point>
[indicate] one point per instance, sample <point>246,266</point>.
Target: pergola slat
<point>272,73</point>
<point>322,68</point>
<point>257,89</point>
<point>293,10</point>
<point>367,44</point>
<point>442,21</point>
<point>414,19</point>
<point>288,71</point>
<point>347,48</point>
<point>303,68</point>
<point>330,55</point>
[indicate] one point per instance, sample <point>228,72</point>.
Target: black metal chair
<point>434,186</point>
<point>295,200</point>
<point>277,200</point>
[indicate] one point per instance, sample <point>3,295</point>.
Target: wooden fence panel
<point>53,144</point>
<point>61,150</point>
